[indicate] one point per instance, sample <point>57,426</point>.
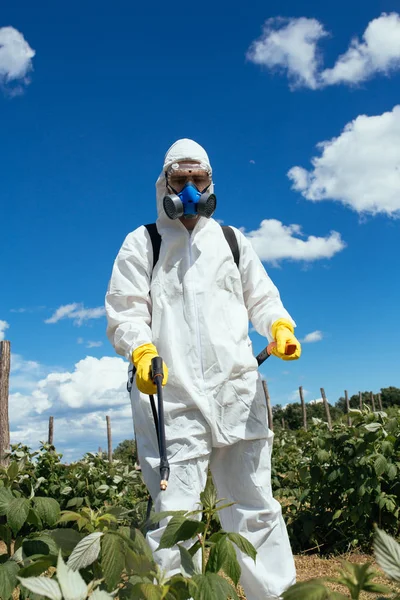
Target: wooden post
<point>100,450</point>
<point>361,400</point>
<point>268,401</point>
<point>5,353</point>
<point>346,395</point>
<point>328,414</point>
<point>373,401</point>
<point>283,423</point>
<point>303,407</point>
<point>109,440</point>
<point>380,401</point>
<point>51,430</point>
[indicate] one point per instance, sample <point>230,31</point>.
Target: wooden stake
<point>373,401</point>
<point>51,430</point>
<point>380,401</point>
<point>346,395</point>
<point>303,407</point>
<point>5,353</point>
<point>361,400</point>
<point>328,414</point>
<point>109,440</point>
<point>283,423</point>
<point>269,409</point>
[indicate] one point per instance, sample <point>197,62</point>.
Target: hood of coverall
<point>183,149</point>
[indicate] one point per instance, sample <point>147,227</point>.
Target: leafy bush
<point>334,485</point>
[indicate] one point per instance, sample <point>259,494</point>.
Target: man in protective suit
<point>193,308</point>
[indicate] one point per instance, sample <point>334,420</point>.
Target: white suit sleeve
<point>128,302</point>
<point>261,296</point>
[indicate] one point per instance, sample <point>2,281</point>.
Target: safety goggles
<point>179,174</point>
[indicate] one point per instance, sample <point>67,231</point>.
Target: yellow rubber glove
<point>283,332</point>
<point>141,358</point>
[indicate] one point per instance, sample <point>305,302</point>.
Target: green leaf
<point>337,514</point>
<point>5,534</point>
<point>8,579</point>
<point>17,513</point>
<point>40,544</point>
<point>48,510</point>
<point>34,519</point>
<point>151,591</point>
<point>38,567</point>
<point>138,563</point>
<point>380,465</point>
<point>112,559</point>
<point>392,471</point>
<point>6,497</point>
<point>373,427</point>
<point>102,489</point>
<point>231,565</point>
<point>180,529</point>
<point>12,471</point>
<point>243,544</point>
<point>71,582</point>
<point>387,554</point>
<point>218,554</point>
<point>211,587</point>
<point>86,552</point>
<point>187,563</point>
<point>66,539</point>
<point>307,590</point>
<point>43,586</point>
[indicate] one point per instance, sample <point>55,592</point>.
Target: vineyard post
<point>268,401</point>
<point>283,423</point>
<point>5,353</point>
<point>51,430</point>
<point>373,401</point>
<point>346,395</point>
<point>361,400</point>
<point>380,402</point>
<point>328,414</point>
<point>303,407</point>
<point>109,440</point>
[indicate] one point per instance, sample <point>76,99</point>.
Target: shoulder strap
<point>155,241</point>
<point>229,234</point>
<point>230,237</point>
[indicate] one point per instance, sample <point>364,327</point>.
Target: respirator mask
<point>189,183</point>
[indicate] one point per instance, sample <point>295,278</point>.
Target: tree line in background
<point>290,416</point>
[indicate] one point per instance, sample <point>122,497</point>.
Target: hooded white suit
<point>195,308</point>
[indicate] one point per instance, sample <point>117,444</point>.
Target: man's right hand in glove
<point>141,358</point>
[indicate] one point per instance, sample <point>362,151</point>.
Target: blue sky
<point>85,123</point>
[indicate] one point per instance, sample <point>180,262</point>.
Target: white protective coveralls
<point>195,308</point>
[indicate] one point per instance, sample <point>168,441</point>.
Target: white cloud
<point>15,56</point>
<point>292,45</point>
<point>379,52</point>
<point>94,382</point>
<point>94,344</point>
<point>314,336</point>
<point>3,326</point>
<point>274,241</point>
<point>79,401</point>
<point>295,396</point>
<point>316,401</point>
<point>360,168</point>
<point>77,312</point>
